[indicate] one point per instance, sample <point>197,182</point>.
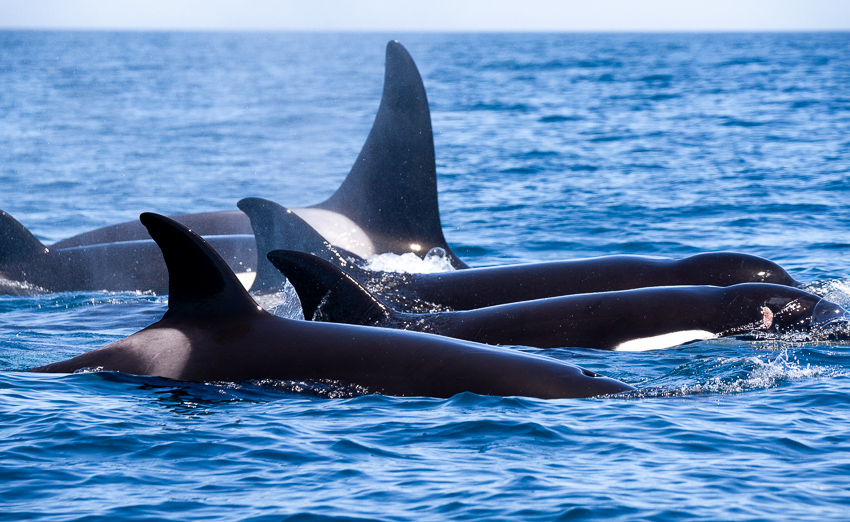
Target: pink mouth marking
<point>767,317</point>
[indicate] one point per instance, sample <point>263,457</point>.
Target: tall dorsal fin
<point>276,227</point>
<point>326,292</point>
<point>17,244</point>
<point>391,190</point>
<point>199,281</point>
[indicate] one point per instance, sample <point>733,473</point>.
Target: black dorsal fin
<point>17,244</point>
<point>199,280</point>
<point>326,292</point>
<point>391,191</point>
<point>276,227</point>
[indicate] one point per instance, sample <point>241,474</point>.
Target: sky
<point>429,15</point>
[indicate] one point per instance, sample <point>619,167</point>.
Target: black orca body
<point>388,201</point>
<point>277,228</point>
<point>122,266</point>
<point>629,320</point>
<point>214,331</point>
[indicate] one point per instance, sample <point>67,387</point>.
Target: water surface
<point>548,147</point>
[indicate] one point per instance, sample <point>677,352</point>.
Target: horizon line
<point>422,31</point>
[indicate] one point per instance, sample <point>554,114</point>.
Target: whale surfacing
<point>626,320</point>
<point>387,202</point>
<point>278,228</point>
<point>214,331</point>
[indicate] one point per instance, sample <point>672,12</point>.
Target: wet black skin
<point>595,320</point>
<point>214,331</point>
<point>276,228</point>
<point>123,266</point>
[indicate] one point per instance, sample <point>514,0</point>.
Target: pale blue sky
<point>430,15</point>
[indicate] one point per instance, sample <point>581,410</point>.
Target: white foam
<point>659,342</point>
<point>20,288</point>
<point>764,374</point>
<point>435,260</point>
<point>833,290</point>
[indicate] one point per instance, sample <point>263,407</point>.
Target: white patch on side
<point>338,230</point>
<point>659,342</point>
<point>246,278</point>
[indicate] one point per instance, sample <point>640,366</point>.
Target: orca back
<point>326,292</point>
<point>391,191</point>
<point>199,280</point>
<point>276,227</point>
<point>17,244</point>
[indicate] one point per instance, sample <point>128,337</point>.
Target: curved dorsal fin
<point>276,227</point>
<point>391,190</point>
<point>17,244</point>
<point>199,280</point>
<point>326,292</point>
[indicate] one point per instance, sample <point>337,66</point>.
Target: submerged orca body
<point>214,331</point>
<point>628,320</point>
<point>122,266</point>
<point>277,228</point>
<point>388,201</point>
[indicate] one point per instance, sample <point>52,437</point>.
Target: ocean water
<point>548,147</point>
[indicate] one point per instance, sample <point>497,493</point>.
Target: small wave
<point>608,138</point>
<point>69,300</point>
<point>799,104</point>
<point>657,78</point>
<point>732,122</point>
<point>583,168</point>
<point>765,374</point>
<point>760,373</point>
<point>661,97</point>
<point>435,260</point>
<point>540,154</point>
<point>741,61</point>
<point>521,170</point>
<point>559,117</point>
<point>498,106</point>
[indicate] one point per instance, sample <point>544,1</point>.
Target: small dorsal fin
<point>391,191</point>
<point>276,227</point>
<point>199,280</point>
<point>17,244</point>
<point>326,292</point>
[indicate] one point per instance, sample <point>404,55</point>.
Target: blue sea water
<point>548,147</point>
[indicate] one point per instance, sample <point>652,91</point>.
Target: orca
<point>29,267</point>
<point>214,331</point>
<point>277,228</point>
<point>627,320</point>
<point>388,201</point>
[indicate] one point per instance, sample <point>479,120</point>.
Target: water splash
<point>834,290</point>
<point>764,374</point>
<point>742,374</point>
<point>434,261</point>
<point>283,303</point>
<point>19,288</point>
